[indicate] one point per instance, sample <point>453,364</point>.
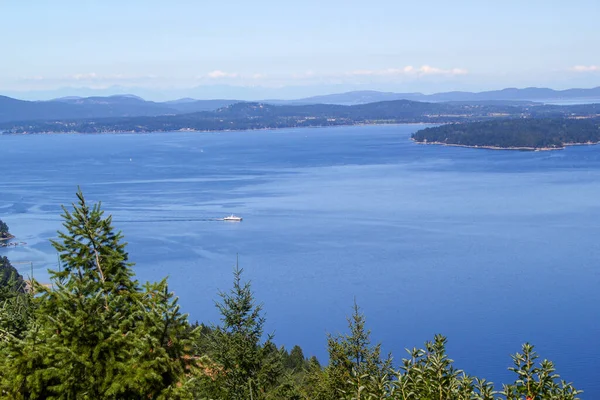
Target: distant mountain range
<point>133,106</point>
<point>99,107</point>
<point>510,94</point>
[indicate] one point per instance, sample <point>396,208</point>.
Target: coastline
<point>185,130</point>
<point>564,146</point>
<point>9,237</point>
<point>491,147</point>
<point>516,148</point>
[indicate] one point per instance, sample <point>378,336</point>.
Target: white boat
<point>232,218</point>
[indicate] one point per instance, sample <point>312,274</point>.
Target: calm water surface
<point>490,248</point>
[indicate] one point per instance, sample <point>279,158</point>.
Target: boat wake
<point>166,220</point>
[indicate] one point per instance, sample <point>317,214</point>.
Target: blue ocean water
<point>491,248</point>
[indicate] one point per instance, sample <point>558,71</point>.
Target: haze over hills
<point>324,93</point>
<point>127,105</point>
<point>509,94</point>
<point>98,107</point>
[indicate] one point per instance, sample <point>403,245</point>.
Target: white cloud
<point>217,74</point>
<point>303,75</point>
<point>585,68</point>
<point>409,70</point>
<point>85,77</point>
<point>239,77</point>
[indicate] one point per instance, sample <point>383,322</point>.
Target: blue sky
<point>289,47</point>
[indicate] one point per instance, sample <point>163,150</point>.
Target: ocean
<point>490,248</point>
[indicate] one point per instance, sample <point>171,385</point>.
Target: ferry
<point>233,218</point>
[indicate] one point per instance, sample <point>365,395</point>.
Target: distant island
<point>514,134</point>
<point>4,233</point>
<point>248,116</point>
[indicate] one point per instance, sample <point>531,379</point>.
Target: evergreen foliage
<point>429,374</point>
<point>536,382</point>
<point>15,305</point>
<point>97,334</point>
<point>3,227</point>
<point>355,365</point>
<point>4,232</point>
<point>10,279</point>
<point>240,365</point>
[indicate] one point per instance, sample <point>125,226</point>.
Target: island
<point>514,134</point>
<point>4,233</point>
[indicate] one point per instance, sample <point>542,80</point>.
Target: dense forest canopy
<point>4,231</point>
<point>515,133</point>
<point>10,277</point>
<point>98,333</point>
<point>3,227</point>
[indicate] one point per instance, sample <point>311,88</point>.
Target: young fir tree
<point>98,335</point>
<point>296,361</point>
<point>16,309</point>
<point>430,374</point>
<point>240,366</point>
<point>537,382</point>
<point>356,369</point>
<point>11,282</point>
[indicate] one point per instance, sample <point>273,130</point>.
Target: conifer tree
<point>3,229</point>
<point>430,374</point>
<point>537,381</point>
<point>16,310</point>
<point>244,367</point>
<point>296,360</point>
<point>356,369</point>
<point>98,335</point>
<point>11,282</point>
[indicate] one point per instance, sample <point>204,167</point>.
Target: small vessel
<point>233,218</point>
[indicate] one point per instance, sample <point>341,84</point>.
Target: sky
<point>292,48</point>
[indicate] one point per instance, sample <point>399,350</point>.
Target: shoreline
<point>9,237</point>
<point>216,130</point>
<point>525,148</point>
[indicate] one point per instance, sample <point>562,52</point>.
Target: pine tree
<point>11,282</point>
<point>98,335</point>
<point>537,381</point>
<point>430,374</point>
<point>3,229</point>
<point>355,366</point>
<point>16,309</point>
<point>296,360</point>
<point>244,368</point>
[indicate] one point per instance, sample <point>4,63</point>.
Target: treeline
<point>10,279</point>
<point>4,233</point>
<point>100,334</point>
<point>246,116</point>
<point>515,133</point>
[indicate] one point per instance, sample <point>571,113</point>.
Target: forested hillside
<point>100,334</point>
<point>515,133</point>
